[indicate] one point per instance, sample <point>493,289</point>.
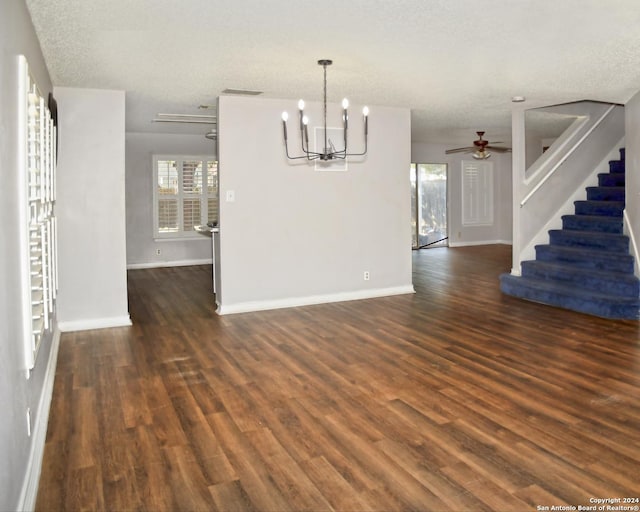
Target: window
<point>185,194</point>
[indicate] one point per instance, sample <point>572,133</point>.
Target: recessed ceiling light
<point>518,99</point>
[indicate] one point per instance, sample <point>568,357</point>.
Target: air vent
<point>185,118</point>
<point>241,92</point>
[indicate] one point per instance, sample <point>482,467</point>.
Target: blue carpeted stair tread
<point>605,193</point>
<point>572,291</point>
<point>616,166</point>
<point>599,223</point>
<point>585,258</point>
<point>570,297</point>
<point>605,281</point>
<point>609,242</point>
<point>611,180</point>
<point>585,207</point>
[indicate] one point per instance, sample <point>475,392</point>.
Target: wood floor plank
<point>245,460</point>
<point>286,473</point>
<point>452,399</point>
<point>333,486</point>
<point>453,495</point>
<point>231,497</point>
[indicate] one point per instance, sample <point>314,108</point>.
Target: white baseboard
<point>29,493</point>
<point>94,323</point>
<point>246,307</point>
<point>160,264</point>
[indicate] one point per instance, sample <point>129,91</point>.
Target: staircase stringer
<point>633,243</point>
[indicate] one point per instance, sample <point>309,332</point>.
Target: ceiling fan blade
<point>499,149</point>
<point>460,150</point>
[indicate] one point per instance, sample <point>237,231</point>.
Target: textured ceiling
<point>455,63</point>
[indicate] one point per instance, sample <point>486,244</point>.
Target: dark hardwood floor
<point>457,398</point>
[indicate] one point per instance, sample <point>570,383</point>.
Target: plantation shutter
<point>477,193</point>
<point>212,190</point>
<point>167,196</point>
<point>192,194</point>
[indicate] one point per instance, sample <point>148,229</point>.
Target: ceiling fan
<point>479,148</point>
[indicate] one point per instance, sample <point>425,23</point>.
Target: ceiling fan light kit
<point>329,151</point>
<point>479,148</point>
<point>481,155</point>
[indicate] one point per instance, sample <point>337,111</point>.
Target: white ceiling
<point>455,63</point>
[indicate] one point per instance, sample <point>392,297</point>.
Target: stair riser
<point>605,194</point>
<point>597,308</point>
<point>613,209</point>
<point>588,223</point>
<point>618,287</point>
<point>611,262</point>
<point>574,239</point>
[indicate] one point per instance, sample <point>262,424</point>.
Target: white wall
<point>20,455</point>
<point>501,230</point>
<point>141,246</point>
<point>632,185</point>
<point>297,236</point>
<point>91,209</point>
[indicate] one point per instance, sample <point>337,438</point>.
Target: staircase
<point>586,266</point>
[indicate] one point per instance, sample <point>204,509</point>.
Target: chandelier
<point>329,151</point>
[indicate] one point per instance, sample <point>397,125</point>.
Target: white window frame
<point>204,196</point>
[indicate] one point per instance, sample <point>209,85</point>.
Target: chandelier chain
<point>326,146</point>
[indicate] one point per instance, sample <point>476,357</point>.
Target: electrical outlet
<point>367,276</point>
<point>158,252</point>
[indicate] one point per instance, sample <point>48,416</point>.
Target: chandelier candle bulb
<point>285,116</point>
<point>301,110</point>
<point>305,122</point>
<point>365,113</point>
